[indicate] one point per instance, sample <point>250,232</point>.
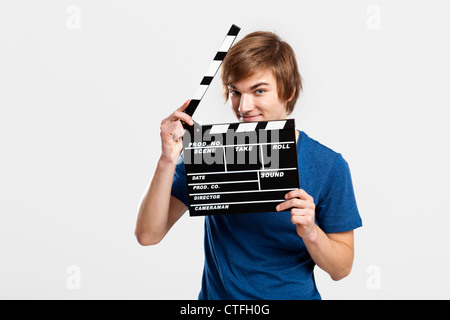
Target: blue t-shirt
<point>260,255</point>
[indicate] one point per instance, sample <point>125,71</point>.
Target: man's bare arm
<point>332,252</point>
<point>158,210</point>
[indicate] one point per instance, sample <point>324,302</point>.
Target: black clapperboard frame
<point>244,167</point>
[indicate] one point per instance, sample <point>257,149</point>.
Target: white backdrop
<point>85,84</point>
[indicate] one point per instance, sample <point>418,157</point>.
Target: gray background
<point>82,97</point>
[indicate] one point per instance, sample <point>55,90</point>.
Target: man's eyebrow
<point>259,84</point>
<point>252,87</point>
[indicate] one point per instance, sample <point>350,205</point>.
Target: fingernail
<point>278,208</point>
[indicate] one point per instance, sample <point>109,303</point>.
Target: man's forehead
<point>258,79</point>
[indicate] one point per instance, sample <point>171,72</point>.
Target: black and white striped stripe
<point>212,70</point>
<point>251,126</point>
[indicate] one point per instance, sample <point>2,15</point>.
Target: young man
<point>262,255</point>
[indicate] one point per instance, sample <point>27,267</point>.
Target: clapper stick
<point>212,70</point>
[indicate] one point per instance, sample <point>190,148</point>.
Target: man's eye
<point>260,91</point>
<point>234,92</point>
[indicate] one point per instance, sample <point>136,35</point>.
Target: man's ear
<point>292,95</point>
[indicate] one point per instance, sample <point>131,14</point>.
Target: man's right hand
<point>171,133</point>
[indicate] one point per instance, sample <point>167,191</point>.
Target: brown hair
<point>259,51</point>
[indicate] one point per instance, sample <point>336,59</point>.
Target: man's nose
<point>246,104</point>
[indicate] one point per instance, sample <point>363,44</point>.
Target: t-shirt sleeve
<point>338,211</point>
<point>179,188</point>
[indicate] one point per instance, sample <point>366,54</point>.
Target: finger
<point>283,206</point>
<point>292,194</point>
<point>179,115</point>
<point>298,219</point>
<point>292,203</point>
<point>298,193</point>
<point>300,212</point>
<point>184,106</point>
<point>168,130</point>
<point>178,134</point>
<point>305,196</point>
<point>301,220</point>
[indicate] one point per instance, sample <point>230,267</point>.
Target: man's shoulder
<point>315,150</point>
<point>321,168</point>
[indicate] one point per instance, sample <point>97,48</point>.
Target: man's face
<point>256,98</point>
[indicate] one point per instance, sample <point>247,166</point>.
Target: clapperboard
<point>244,167</point>
<point>240,167</point>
